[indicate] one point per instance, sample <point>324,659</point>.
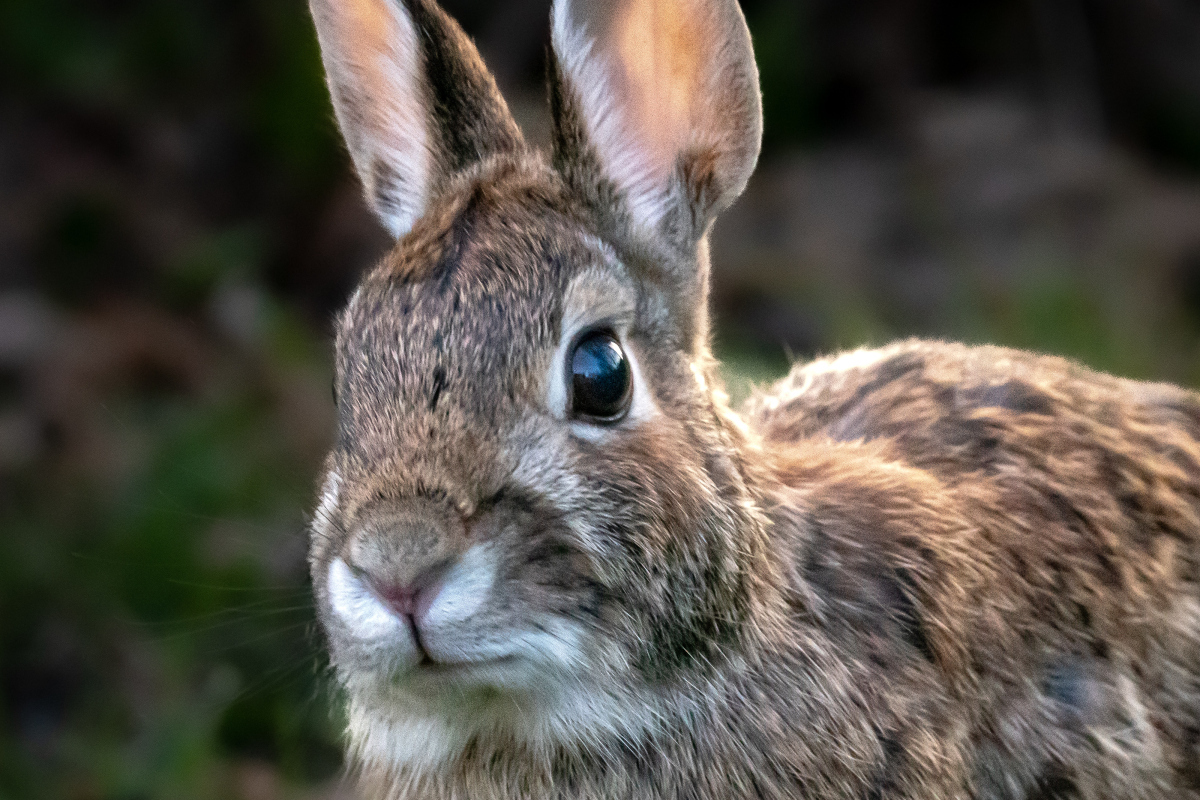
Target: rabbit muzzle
<point>406,582</point>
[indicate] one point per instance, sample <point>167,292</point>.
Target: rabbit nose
<point>403,550</point>
<point>411,601</point>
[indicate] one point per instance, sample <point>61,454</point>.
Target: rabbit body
<point>552,563</point>
<point>1051,586</point>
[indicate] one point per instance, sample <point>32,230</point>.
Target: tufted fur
<point>927,571</point>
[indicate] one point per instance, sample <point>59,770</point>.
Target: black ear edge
<point>413,99</point>
<point>572,154</point>
<point>469,117</point>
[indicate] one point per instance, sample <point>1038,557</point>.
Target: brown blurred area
<point>179,223</point>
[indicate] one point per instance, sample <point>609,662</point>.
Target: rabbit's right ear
<point>656,109</point>
<point>412,97</point>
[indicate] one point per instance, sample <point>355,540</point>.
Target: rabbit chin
<point>397,731</point>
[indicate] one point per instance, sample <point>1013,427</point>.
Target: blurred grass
<point>1103,323</point>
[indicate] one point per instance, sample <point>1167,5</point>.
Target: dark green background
<point>178,223</point>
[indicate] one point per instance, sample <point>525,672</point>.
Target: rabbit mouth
<point>431,667</point>
<point>418,652</point>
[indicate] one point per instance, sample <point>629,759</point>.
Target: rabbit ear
<point>659,100</point>
<point>413,99</point>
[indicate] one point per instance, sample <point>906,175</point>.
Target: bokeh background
<point>178,223</point>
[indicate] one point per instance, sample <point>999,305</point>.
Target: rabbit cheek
<point>465,588</point>
<point>451,628</point>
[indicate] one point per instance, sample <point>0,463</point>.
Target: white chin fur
<point>414,743</point>
<point>556,711</point>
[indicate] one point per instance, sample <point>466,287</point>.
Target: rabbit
<point>551,561</point>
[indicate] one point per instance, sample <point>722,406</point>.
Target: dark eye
<point>601,385</point>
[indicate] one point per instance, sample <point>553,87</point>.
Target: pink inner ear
<point>371,23</point>
<point>370,50</point>
<point>658,80</point>
<point>661,49</point>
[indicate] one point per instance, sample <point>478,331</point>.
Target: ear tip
<point>642,122</point>
<point>414,100</point>
<point>560,26</point>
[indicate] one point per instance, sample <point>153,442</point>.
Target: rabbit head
<point>535,516</point>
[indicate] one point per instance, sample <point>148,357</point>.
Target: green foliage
<point>173,635</point>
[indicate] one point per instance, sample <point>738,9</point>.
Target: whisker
<point>296,526</point>
<point>278,676</point>
<point>230,646</point>
<point>152,568</point>
<point>226,624</point>
<point>231,617</point>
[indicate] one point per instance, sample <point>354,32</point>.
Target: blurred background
<point>179,222</point>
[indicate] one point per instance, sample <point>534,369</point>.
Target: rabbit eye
<point>601,381</point>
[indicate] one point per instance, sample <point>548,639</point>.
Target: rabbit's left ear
<point>413,99</point>
<point>657,109</point>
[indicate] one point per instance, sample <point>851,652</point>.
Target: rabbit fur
<point>925,571</point>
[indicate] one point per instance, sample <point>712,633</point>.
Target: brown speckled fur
<point>928,571</point>
<point>1068,598</point>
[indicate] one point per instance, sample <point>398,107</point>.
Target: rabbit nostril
<point>402,600</point>
<point>410,602</point>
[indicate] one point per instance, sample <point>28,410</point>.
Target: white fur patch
<point>423,743</point>
<point>843,362</point>
<point>364,617</point>
<point>834,367</point>
<point>373,62</point>
<point>465,588</point>
<point>555,642</point>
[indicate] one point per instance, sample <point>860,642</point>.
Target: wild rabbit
<point>552,563</point>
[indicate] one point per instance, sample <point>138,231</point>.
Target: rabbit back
<point>1014,539</point>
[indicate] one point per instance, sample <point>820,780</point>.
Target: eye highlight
<point>600,378</point>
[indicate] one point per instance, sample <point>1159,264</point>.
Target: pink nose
<point>412,602</point>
